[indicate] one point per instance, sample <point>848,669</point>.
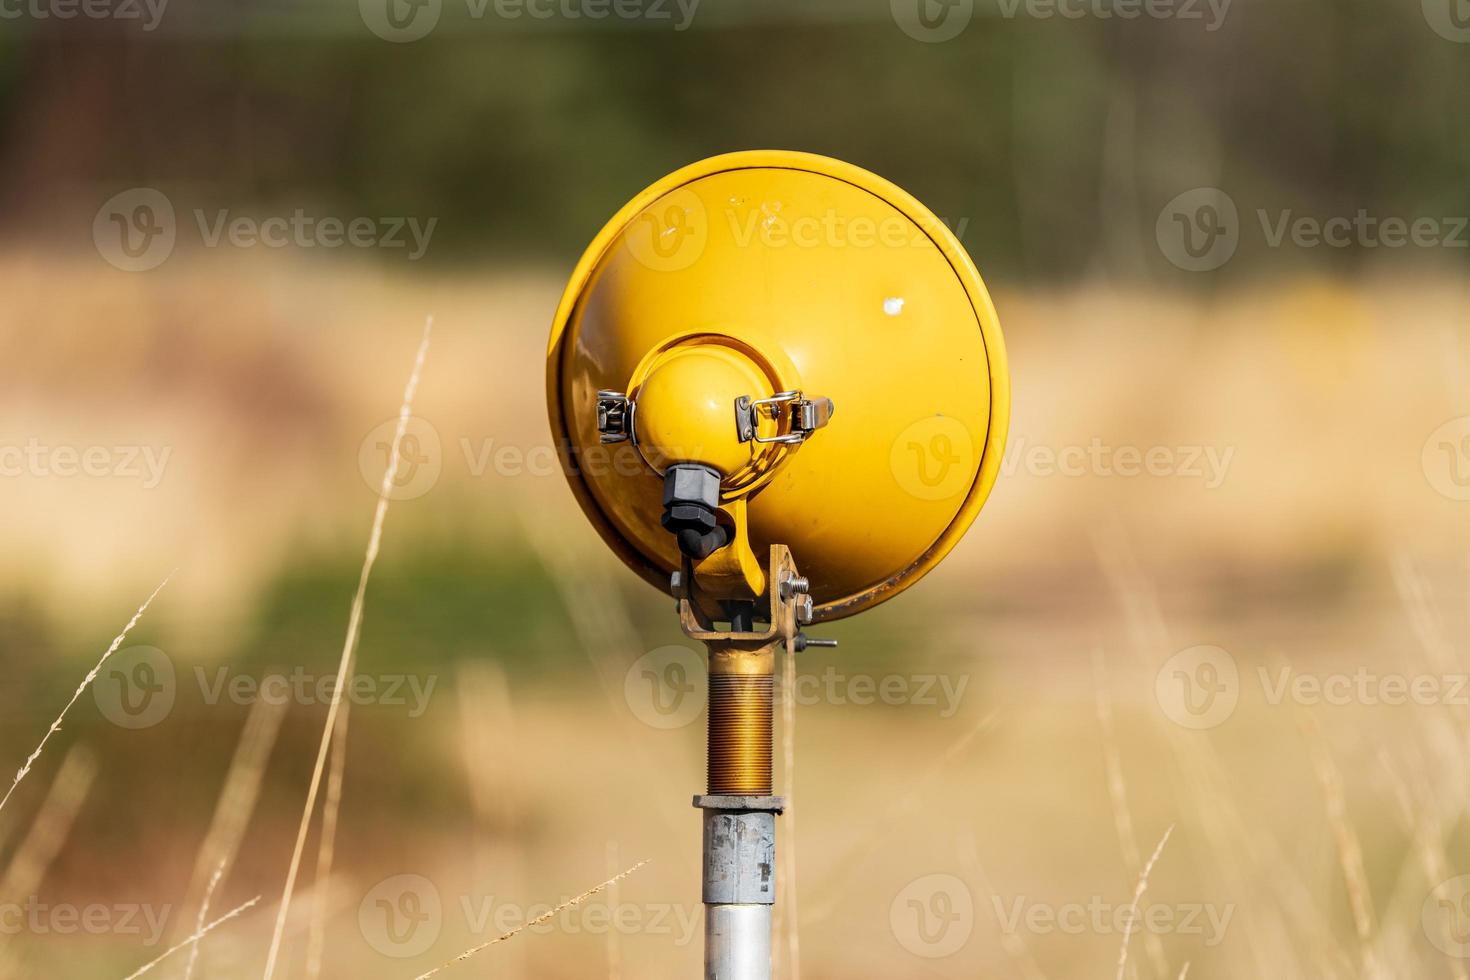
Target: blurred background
<point>1220,586</point>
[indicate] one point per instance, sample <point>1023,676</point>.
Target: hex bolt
<point>793,585</point>
<point>804,609</point>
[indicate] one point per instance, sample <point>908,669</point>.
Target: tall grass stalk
<point>117,641</point>
<point>349,645</point>
<point>198,935</point>
<point>544,917</point>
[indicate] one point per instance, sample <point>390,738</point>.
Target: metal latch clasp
<point>805,416</point>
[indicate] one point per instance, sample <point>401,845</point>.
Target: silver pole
<point>739,884</point>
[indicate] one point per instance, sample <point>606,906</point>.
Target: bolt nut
<point>691,484</point>
<point>804,609</point>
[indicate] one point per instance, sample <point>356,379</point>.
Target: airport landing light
<point>768,360</point>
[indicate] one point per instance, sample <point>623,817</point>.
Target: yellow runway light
<point>765,360</point>
<point>780,275</point>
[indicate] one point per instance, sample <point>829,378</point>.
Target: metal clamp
<point>614,416</point>
<point>804,415</point>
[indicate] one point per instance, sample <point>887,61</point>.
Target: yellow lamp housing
<point>770,361</point>
<point>775,348</point>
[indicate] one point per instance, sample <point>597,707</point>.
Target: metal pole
<point>740,811</point>
<point>739,885</point>
<point>739,814</point>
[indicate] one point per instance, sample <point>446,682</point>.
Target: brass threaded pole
<point>741,712</point>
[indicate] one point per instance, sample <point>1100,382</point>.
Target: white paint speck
<point>893,305</point>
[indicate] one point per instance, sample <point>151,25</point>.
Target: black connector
<point>691,502</point>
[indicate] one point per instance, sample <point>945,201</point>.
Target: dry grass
<point>544,917</point>
<point>1138,892</point>
<point>194,939</point>
<point>338,704</point>
<point>1323,550</point>
<point>237,799</point>
<point>55,727</point>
